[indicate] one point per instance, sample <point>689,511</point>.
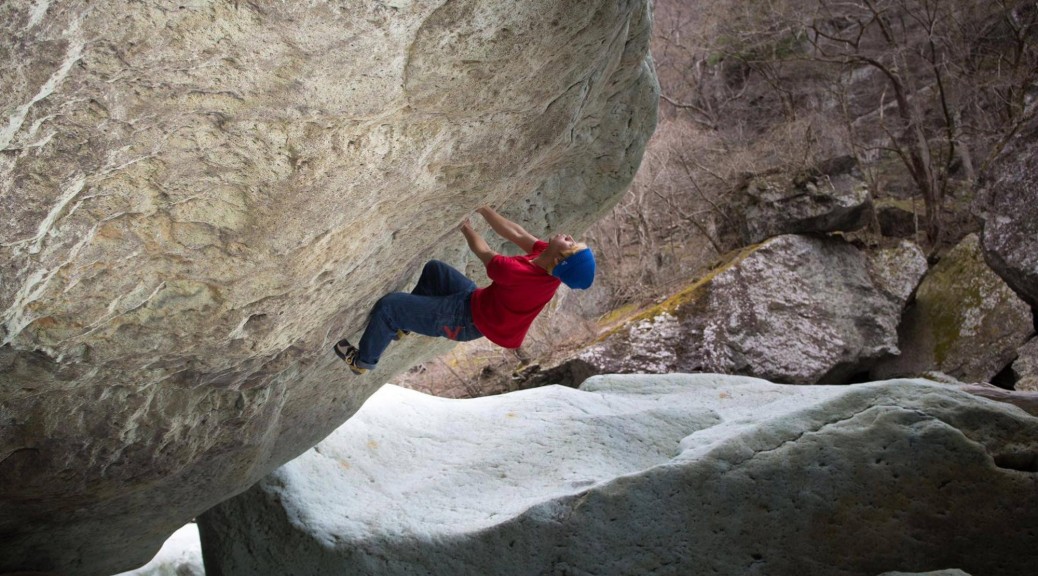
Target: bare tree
<point>938,85</point>
<point>946,66</point>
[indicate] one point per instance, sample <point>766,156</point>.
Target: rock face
<point>794,309</point>
<point>831,198</point>
<point>665,475</point>
<point>1025,367</point>
<point>199,199</point>
<point>965,321</point>
<point>1010,214</point>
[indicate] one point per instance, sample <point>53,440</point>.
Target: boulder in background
<point>793,309</point>
<point>830,198</point>
<point>965,321</point>
<point>1025,367</point>
<point>1009,210</point>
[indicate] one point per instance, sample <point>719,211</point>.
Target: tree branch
<point>697,109</point>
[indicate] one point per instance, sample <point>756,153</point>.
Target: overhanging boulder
<point>198,199</point>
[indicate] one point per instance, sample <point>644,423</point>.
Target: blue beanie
<point>577,271</point>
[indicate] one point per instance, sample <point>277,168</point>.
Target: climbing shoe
<point>400,334</point>
<point>348,353</point>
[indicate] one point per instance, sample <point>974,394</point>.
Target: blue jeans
<point>438,306</point>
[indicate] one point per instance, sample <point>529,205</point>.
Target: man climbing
<point>446,303</point>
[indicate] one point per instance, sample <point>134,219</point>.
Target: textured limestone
<point>965,321</point>
<point>1010,214</point>
<point>831,198</point>
<point>793,309</point>
<point>198,198</point>
<point>664,475</point>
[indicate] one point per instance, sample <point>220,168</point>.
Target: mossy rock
<point>795,309</point>
<point>965,322</point>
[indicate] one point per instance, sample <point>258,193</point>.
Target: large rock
<point>198,199</point>
<point>666,475</point>
<point>1010,214</point>
<point>793,309</point>
<point>832,197</point>
<point>965,321</point>
<point>1025,367</point>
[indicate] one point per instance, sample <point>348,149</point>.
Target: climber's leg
<point>441,279</point>
<point>445,316</point>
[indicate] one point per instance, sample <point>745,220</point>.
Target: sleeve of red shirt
<point>492,266</point>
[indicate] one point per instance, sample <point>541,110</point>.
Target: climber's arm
<point>507,229</point>
<point>476,243</point>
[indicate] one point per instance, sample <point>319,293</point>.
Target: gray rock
<point>794,309</point>
<point>198,199</point>
<point>666,475</point>
<point>830,199</point>
<point>1010,214</point>
<point>1025,367</point>
<point>949,572</point>
<point>965,321</point>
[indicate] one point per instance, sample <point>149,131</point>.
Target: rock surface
<point>832,198</point>
<point>794,309</point>
<point>1025,367</point>
<point>198,199</point>
<point>965,321</point>
<point>1010,214</point>
<point>181,555</point>
<point>664,475</point>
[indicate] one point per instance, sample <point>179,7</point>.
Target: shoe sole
<point>342,355</point>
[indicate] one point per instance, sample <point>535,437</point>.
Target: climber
<point>446,303</point>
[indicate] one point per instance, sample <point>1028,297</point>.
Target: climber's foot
<point>348,353</point>
<point>400,334</point>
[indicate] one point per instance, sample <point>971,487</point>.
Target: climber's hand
<point>476,242</point>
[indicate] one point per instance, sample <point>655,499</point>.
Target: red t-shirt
<point>520,289</point>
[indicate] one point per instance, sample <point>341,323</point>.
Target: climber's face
<point>564,244</point>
